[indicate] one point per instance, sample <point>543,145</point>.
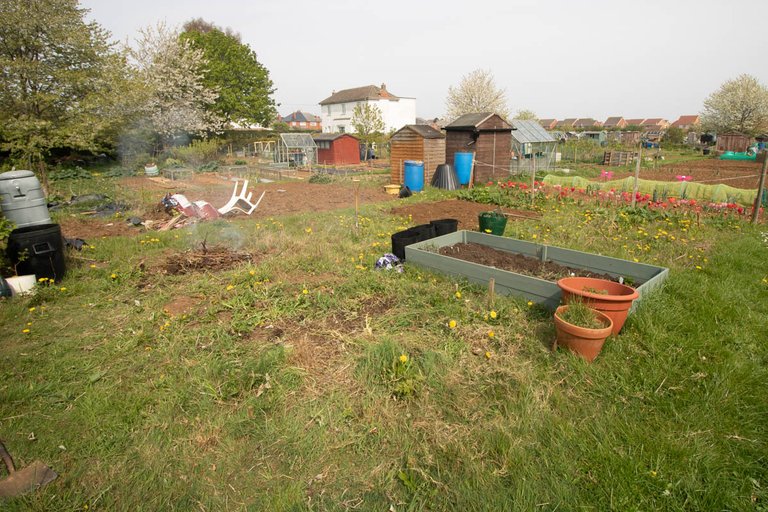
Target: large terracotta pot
<point>615,302</point>
<point>583,341</point>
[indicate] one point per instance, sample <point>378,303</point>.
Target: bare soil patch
<point>182,305</point>
<point>91,228</point>
<point>466,212</point>
<point>210,259</point>
<point>525,265</point>
<point>739,174</point>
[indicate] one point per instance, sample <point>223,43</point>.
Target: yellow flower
<point>491,334</point>
<point>493,314</point>
<point>252,272</point>
<point>530,303</point>
<point>487,230</point>
<point>113,276</point>
<point>308,230</point>
<point>458,295</point>
<point>29,323</point>
<point>305,291</point>
<point>452,324</point>
<point>32,309</point>
<point>93,266</point>
<point>25,331</point>
<point>230,287</point>
<point>403,358</point>
<point>63,288</point>
<point>487,355</point>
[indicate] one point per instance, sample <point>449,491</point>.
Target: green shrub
<point>320,177</point>
<point>198,152</point>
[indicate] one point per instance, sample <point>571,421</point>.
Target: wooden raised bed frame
<point>547,293</point>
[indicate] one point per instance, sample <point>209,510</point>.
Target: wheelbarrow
<point>24,480</point>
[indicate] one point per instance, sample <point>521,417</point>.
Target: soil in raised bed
<point>518,263</point>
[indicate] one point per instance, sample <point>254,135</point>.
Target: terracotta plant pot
<point>583,341</point>
<point>615,303</point>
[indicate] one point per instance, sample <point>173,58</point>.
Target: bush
<point>320,177</point>
<point>198,152</point>
<point>76,173</point>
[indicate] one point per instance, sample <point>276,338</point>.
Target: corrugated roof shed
<point>473,120</point>
<point>530,131</point>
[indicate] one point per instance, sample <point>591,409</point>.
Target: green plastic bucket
<point>492,221</point>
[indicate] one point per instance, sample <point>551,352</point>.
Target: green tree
<point>674,136</point>
<point>62,83</point>
<point>368,124</point>
<point>243,83</point>
<point>526,115</point>
<point>739,105</point>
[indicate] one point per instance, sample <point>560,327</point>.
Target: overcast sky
<point>559,58</point>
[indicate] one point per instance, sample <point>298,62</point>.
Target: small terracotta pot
<point>615,303</point>
<point>583,341</point>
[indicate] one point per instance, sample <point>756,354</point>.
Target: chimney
<point>383,87</point>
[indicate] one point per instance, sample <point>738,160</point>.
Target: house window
<point>329,109</point>
<point>341,129</point>
<point>343,108</point>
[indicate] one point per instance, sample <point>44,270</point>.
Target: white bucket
<point>21,285</point>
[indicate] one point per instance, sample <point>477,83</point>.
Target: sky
<point>558,58</point>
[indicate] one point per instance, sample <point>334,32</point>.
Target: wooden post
<point>357,203</point>
<point>533,175</point>
<point>491,292</point>
<point>760,186</point>
<point>637,175</point>
<point>472,171</point>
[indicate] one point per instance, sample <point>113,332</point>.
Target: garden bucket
<point>38,250</point>
<point>403,238</point>
<point>613,299</point>
<point>494,222</point>
<point>445,226</point>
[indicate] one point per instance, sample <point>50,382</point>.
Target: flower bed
<point>542,291</point>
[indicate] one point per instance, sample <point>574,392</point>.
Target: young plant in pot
<point>581,329</point>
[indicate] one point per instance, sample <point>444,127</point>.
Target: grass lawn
<point>305,380</point>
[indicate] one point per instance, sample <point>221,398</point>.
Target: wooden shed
<point>337,149</point>
<point>733,141</point>
<point>416,142</point>
<point>489,137</point>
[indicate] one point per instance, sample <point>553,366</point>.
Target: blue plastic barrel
<point>413,171</point>
<point>462,162</point>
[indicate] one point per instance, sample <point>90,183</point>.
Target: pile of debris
<point>185,211</point>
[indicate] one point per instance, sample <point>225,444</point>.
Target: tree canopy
<point>740,105</point>
<point>477,92</point>
<point>244,87</point>
<point>368,123</point>
<point>61,82</point>
<point>170,70</point>
<point>526,115</point>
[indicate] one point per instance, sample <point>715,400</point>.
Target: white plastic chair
<point>240,201</point>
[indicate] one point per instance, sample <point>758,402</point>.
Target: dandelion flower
<point>487,230</point>
<point>458,294</point>
<point>530,303</point>
<point>29,324</point>
<point>308,230</point>
<point>93,266</point>
<point>487,355</point>
<point>230,287</point>
<point>252,272</point>
<point>452,324</point>
<point>113,276</point>
<point>493,314</point>
<point>403,358</point>
<point>32,309</point>
<point>305,291</point>
<point>491,334</point>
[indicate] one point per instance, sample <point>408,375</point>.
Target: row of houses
<point>690,122</point>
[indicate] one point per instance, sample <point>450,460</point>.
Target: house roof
<point>652,121</point>
<point>330,136</point>
<point>586,122</point>
<point>613,121</point>
<point>301,117</point>
<point>635,122</point>
<point>475,120</point>
<point>686,120</point>
<point>567,122</point>
<point>367,92</point>
<point>530,131</point>
<point>547,122</point>
<point>424,130</point>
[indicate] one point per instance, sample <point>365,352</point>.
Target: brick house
<point>303,120</point>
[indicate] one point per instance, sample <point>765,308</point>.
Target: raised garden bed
<point>426,254</point>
